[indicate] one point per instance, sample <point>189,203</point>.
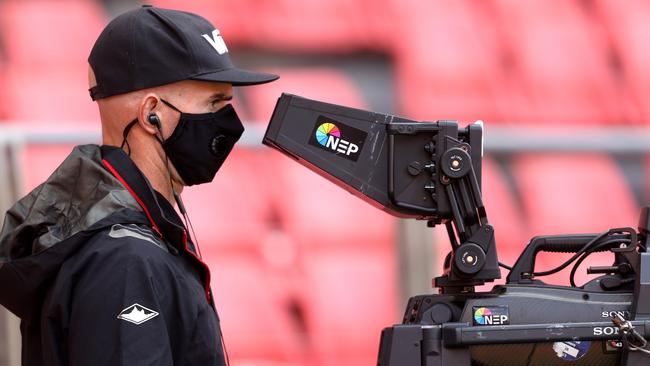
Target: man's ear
<point>149,105</point>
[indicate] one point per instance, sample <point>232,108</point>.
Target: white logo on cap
<point>216,41</point>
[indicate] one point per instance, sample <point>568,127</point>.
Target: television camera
<point>432,171</point>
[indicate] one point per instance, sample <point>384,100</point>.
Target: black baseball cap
<point>151,46</point>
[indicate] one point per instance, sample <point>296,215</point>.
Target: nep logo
<point>491,315</point>
<point>337,138</point>
<point>329,135</point>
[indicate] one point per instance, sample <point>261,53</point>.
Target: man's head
<point>152,69</point>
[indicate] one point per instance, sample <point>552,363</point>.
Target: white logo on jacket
<point>137,314</point>
<point>216,41</point>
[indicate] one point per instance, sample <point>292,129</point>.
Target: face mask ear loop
<point>186,217</point>
<point>188,223</point>
<point>170,105</point>
<point>125,134</point>
<point>169,172</point>
<point>177,196</point>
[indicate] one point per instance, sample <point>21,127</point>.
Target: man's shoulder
<point>137,237</point>
<point>127,243</point>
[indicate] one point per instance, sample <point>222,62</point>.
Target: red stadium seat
<point>306,203</point>
<point>448,63</point>
<point>4,106</point>
<point>258,326</point>
<point>628,28</point>
<point>234,19</point>
<point>53,93</point>
<point>503,213</point>
<point>46,46</point>
<point>345,255</point>
<point>315,26</point>
<point>564,194</point>
<point>350,295</point>
<point>38,163</point>
<point>232,214</point>
<point>562,60</point>
<point>320,83</point>
<point>48,33</point>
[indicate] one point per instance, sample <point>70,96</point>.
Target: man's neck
<point>149,159</point>
<point>155,169</point>
<point>157,174</point>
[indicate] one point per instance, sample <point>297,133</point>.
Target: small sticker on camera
<point>571,350</point>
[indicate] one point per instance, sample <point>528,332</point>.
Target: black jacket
<point>99,268</point>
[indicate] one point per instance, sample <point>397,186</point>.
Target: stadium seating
<point>3,89</point>
<point>563,67</point>
<point>350,295</point>
<point>38,162</point>
<point>319,26</point>
<point>46,53</point>
<point>345,256</point>
<point>54,93</point>
<point>234,19</point>
<point>257,324</point>
<point>291,24</point>
<point>306,203</point>
<point>573,193</point>
<point>42,33</point>
<point>628,28</point>
<point>447,62</point>
<point>320,83</point>
<point>233,212</point>
<point>503,212</point>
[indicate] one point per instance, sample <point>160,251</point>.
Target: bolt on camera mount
<point>432,171</point>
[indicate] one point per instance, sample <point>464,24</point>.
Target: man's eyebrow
<point>221,96</point>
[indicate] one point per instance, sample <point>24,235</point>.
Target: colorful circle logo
<point>480,313</point>
<point>325,130</point>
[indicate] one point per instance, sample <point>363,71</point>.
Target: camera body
<point>511,325</point>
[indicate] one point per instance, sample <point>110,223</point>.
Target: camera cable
<point>591,251</point>
<point>574,257</point>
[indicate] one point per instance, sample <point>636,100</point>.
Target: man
<point>95,261</point>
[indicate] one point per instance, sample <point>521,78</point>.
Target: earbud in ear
<point>154,120</point>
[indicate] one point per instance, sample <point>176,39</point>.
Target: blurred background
<point>303,272</point>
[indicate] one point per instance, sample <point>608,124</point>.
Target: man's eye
<point>217,104</point>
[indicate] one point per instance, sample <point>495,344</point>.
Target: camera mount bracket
<point>455,188</point>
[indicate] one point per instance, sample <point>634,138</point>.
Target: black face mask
<point>201,142</point>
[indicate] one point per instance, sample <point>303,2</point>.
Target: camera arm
<point>454,159</point>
